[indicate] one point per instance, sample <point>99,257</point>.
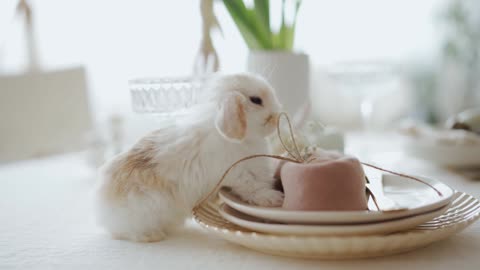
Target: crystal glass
<point>369,81</point>
<point>165,95</point>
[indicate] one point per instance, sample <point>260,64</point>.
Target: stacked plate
<point>405,203</point>
<point>422,217</point>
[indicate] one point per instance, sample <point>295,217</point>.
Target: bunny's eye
<point>256,100</point>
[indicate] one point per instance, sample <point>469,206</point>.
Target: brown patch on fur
<point>242,120</point>
<point>134,172</point>
<point>232,121</point>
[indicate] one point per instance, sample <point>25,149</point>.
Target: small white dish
<point>407,193</point>
<point>449,155</point>
<point>384,227</point>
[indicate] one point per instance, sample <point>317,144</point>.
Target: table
<point>46,222</point>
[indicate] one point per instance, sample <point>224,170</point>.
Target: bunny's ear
<point>231,122</point>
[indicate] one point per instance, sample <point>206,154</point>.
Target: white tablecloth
<point>46,223</point>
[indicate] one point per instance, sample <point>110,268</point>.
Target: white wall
<point>118,39</point>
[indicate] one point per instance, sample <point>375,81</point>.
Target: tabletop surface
<point>46,222</point>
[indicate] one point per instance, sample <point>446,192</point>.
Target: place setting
<point>411,205</point>
<point>455,145</point>
<point>337,207</point>
<point>422,218</point>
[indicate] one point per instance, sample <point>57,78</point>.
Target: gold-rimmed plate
<point>376,228</point>
<point>417,198</point>
<point>463,211</point>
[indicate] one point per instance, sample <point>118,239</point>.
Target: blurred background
<point>65,64</point>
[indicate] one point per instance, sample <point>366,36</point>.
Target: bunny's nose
<point>273,118</point>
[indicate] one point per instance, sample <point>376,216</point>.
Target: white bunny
<point>150,189</point>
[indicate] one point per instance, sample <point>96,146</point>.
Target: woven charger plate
<point>463,211</point>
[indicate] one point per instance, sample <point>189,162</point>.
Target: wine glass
<point>368,81</point>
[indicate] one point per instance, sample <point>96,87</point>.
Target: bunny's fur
<point>150,189</point>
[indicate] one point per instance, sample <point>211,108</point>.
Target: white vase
<point>288,72</point>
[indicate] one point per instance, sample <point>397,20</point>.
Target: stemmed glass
<point>369,81</point>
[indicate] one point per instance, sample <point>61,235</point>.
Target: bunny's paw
<point>266,198</point>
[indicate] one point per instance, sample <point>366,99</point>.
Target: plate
<point>384,227</point>
<point>463,211</point>
<point>455,156</point>
<point>417,197</point>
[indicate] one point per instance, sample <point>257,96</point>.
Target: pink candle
<point>332,182</point>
